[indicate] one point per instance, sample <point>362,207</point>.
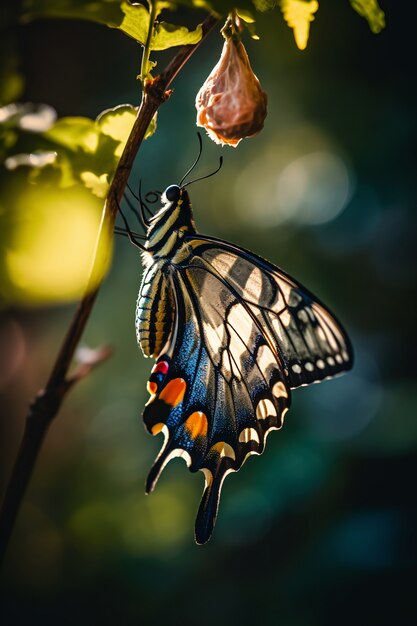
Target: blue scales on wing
<point>244,334</point>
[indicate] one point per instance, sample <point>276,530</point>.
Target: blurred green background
<point>321,528</point>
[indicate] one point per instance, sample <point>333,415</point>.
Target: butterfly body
<point>164,246</point>
<point>232,335</point>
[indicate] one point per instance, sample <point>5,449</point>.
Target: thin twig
<point>144,67</point>
<point>48,401</point>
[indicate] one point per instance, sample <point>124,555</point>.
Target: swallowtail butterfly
<point>231,335</point>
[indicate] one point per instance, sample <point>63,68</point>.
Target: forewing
<point>311,342</point>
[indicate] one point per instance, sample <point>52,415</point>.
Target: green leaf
<point>135,21</point>
<point>74,133</point>
<point>98,185</point>
<point>117,124</point>
<point>108,12</point>
<point>372,12</point>
<point>170,35</point>
<point>132,19</point>
<point>84,151</point>
<point>249,21</point>
<point>246,16</point>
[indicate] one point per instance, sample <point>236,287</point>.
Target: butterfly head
<point>172,193</point>
<point>175,205</point>
<point>175,196</point>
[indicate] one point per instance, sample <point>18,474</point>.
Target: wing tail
<point>155,472</point>
<point>167,453</point>
<point>209,505</point>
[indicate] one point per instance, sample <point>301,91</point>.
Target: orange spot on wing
<point>151,387</point>
<point>173,392</point>
<point>197,425</point>
<point>157,428</point>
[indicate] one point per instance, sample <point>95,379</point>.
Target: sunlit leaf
<point>71,147</point>
<point>249,21</point>
<point>170,35</point>
<point>246,16</point>
<point>135,21</point>
<point>299,14</point>
<point>117,124</point>
<point>372,12</point>
<point>75,133</point>
<point>97,184</point>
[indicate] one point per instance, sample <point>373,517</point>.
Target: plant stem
<point>144,70</point>
<point>48,401</point>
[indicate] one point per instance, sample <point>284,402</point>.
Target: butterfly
<point>232,335</point>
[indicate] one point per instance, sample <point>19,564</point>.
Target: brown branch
<point>48,401</point>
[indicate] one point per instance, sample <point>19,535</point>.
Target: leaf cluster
<point>134,19</point>
<point>68,151</point>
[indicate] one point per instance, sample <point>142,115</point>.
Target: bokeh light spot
<point>51,250</point>
<point>34,159</point>
<point>313,189</point>
<point>304,181</point>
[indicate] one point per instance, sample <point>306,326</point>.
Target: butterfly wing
<point>312,343</point>
<point>223,381</point>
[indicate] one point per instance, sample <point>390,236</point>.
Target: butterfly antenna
<point>135,211</point>
<point>132,192</point>
<point>143,206</point>
<point>130,234</point>
<point>208,175</point>
<point>139,199</point>
<point>200,141</point>
<point>118,230</point>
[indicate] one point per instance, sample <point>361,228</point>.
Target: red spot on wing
<point>162,367</point>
